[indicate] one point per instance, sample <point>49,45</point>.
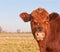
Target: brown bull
<point>45,29</point>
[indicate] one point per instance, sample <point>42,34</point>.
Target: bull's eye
<point>46,22</point>
<point>35,23</point>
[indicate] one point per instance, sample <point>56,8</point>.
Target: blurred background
<point>10,10</point>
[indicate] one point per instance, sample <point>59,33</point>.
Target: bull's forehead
<point>40,14</point>
<point>36,20</point>
<point>39,20</point>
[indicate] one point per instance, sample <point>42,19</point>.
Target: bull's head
<point>39,19</point>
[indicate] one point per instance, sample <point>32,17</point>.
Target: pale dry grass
<point>18,43</point>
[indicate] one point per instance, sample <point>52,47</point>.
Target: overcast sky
<point>10,10</point>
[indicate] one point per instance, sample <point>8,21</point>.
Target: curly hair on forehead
<point>39,13</point>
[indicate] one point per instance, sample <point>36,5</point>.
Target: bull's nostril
<point>37,34</point>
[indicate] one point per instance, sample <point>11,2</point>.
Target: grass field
<point>17,43</point>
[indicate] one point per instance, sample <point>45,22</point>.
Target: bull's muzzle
<point>39,36</point>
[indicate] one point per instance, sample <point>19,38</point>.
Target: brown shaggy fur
<point>45,28</point>
<point>53,43</point>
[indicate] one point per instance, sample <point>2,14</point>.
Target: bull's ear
<point>25,16</point>
<point>53,16</point>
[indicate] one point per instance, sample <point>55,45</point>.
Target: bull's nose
<point>39,36</point>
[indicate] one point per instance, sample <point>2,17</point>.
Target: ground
<point>18,43</point>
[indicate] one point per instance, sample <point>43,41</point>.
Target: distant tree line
<point>17,31</point>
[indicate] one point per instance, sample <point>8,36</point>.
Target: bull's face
<point>39,22</point>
